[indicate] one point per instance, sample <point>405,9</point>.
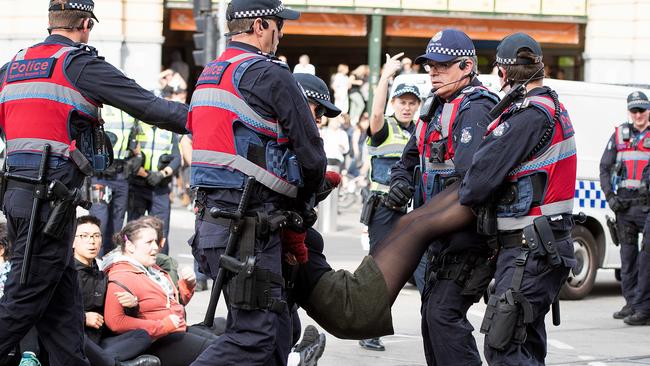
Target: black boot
<point>638,318</point>
<point>144,360</point>
<point>373,344</point>
<point>624,312</point>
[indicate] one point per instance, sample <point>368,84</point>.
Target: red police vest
<point>37,101</point>
<point>229,139</point>
<point>633,154</point>
<point>446,118</point>
<point>558,162</point>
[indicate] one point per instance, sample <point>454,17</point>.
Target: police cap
<point>447,45</point>
<point>82,5</point>
<point>241,9</point>
<point>403,88</point>
<point>510,46</point>
<point>638,100</point>
<point>317,91</point>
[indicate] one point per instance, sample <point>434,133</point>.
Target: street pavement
<point>588,334</point>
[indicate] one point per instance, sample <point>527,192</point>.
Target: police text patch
<point>40,68</point>
<point>213,73</point>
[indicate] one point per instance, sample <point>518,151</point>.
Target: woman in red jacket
<point>161,314</point>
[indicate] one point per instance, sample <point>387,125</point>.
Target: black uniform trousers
<point>111,215</point>
<point>642,299</point>
<point>257,337</point>
<point>51,299</point>
<point>630,223</point>
<point>540,285</point>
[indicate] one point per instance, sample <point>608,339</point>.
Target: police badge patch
<point>501,129</point>
<point>466,135</point>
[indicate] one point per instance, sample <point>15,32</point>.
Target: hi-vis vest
<point>383,157</point>
<point>37,101</point>
<point>633,153</point>
<point>118,126</point>
<point>556,163</point>
<point>444,120</point>
<point>230,140</point>
<point>154,142</point>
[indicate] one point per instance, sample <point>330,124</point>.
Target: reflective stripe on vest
<point>392,147</point>
<point>558,162</point>
<point>634,155</point>
<point>121,125</point>
<point>239,163</point>
<point>154,142</point>
<point>217,113</point>
<point>517,223</point>
<point>37,107</point>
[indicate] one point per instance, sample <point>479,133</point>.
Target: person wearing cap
<point>387,136</point>
<point>439,152</point>
<point>622,171</point>
<point>521,185</point>
<point>248,119</point>
<point>50,94</point>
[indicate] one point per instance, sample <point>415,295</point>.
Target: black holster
<point>486,220</point>
<point>541,241</point>
<point>480,278</point>
<point>369,206</point>
<point>64,204</point>
<point>613,230</point>
<point>503,322</point>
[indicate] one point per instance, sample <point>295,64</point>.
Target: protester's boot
<point>144,360</point>
<point>311,346</point>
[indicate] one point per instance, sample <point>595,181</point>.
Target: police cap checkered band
<point>256,13</point>
<point>247,9</point>
<point>315,95</point>
<point>82,5</point>
<point>638,99</point>
<point>450,51</point>
<point>402,89</point>
<point>511,45</point>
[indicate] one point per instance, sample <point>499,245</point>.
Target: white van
<point>595,110</point>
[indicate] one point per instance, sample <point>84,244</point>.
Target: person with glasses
<point>450,128</point>
<point>51,95</point>
<point>623,167</point>
<point>387,137</point>
<point>249,118</point>
<point>101,346</point>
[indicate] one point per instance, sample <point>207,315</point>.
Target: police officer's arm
<point>497,155</point>
<point>391,67</point>
<point>105,84</point>
<point>297,121</point>
<point>607,162</point>
<point>405,166</point>
<point>469,128</point>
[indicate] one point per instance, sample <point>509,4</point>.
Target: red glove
<point>333,178</point>
<point>294,243</point>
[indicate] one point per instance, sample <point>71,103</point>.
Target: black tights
<point>181,348</point>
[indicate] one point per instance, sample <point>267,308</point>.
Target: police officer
<point>110,188</point>
<point>50,94</point>
<point>150,186</point>
<point>621,173</point>
<point>387,136</point>
<point>527,162</point>
<point>441,151</point>
<point>248,119</point>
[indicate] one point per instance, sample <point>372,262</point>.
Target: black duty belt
<point>515,239</point>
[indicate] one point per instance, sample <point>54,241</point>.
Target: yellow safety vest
<point>120,125</point>
<point>389,150</point>
<point>154,142</point>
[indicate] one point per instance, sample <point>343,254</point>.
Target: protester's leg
<point>49,295</point>
<point>181,349</point>
<point>127,345</point>
<point>96,355</point>
<point>161,208</point>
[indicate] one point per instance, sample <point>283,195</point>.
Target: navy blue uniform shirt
<point>270,89</point>
<point>472,121</point>
<point>102,83</point>
<point>607,162</point>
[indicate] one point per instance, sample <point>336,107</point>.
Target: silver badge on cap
<point>635,94</point>
<point>436,37</point>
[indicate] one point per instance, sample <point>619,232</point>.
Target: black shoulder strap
<point>121,285</point>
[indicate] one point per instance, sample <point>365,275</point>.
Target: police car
<point>595,110</point>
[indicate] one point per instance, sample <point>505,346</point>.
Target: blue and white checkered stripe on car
<point>589,195</point>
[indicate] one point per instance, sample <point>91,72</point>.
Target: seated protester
<point>161,313</point>
<point>101,347</point>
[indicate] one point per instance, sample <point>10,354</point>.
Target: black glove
<point>615,203</point>
<point>399,194</point>
<point>154,178</point>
